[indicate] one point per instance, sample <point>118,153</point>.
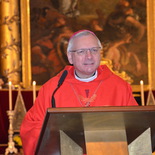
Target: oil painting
<point>120,25</point>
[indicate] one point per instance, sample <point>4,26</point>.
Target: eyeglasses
<point>93,50</point>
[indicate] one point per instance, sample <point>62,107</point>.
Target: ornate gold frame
<point>25,41</point>
<point>26,52</point>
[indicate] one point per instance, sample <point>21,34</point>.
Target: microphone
<point>60,82</point>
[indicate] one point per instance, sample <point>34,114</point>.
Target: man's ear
<point>69,55</point>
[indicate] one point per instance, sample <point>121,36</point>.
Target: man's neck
<point>91,78</point>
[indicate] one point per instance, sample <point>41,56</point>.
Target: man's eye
<point>80,51</point>
<point>94,49</point>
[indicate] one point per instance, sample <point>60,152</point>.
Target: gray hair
<point>79,34</point>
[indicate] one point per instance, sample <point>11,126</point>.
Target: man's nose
<point>88,54</point>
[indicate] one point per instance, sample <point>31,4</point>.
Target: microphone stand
<point>53,99</point>
<point>61,80</point>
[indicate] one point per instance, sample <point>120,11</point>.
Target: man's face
<point>85,64</point>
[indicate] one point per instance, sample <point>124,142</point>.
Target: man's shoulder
<point>109,75</point>
<point>54,80</point>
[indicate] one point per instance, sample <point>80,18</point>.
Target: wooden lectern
<point>98,131</point>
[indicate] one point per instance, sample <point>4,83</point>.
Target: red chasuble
<point>106,90</point>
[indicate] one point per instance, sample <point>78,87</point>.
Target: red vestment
<point>106,90</point>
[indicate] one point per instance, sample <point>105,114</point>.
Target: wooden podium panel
<point>94,128</point>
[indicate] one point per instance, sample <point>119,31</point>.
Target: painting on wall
<point>119,24</point>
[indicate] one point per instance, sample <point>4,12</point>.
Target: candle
<point>142,92</point>
<point>10,95</point>
<point>34,91</point>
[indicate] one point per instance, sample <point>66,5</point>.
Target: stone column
<point>10,64</point>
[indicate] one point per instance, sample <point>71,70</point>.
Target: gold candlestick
<point>11,145</point>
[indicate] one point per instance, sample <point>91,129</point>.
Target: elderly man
<point>84,83</point>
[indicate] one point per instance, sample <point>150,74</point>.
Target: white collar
<point>86,79</point>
